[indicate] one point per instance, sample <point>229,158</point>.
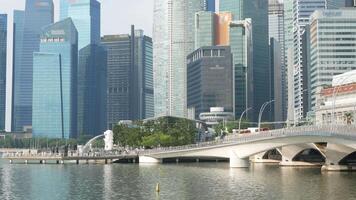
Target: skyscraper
<point>3,46</point>
<point>210,79</point>
<point>55,82</point>
<point>332,47</point>
<point>222,28</point>
<point>301,14</point>
<point>277,33</point>
<point>209,5</point>
<point>130,77</point>
<point>27,24</point>
<point>257,10</point>
<point>173,40</point>
<point>204,29</point>
<point>335,4</point>
<point>92,65</point>
<point>242,53</point>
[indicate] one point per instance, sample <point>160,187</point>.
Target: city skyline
<point>122,10</point>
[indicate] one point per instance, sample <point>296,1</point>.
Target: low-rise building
<point>337,104</point>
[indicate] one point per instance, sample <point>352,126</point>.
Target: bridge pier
<point>335,153</point>
<point>236,162</point>
<point>149,160</point>
<point>290,152</point>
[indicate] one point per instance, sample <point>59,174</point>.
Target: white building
<point>173,40</point>
<point>333,47</point>
<point>333,104</point>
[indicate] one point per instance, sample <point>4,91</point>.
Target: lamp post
<point>242,116</point>
<point>261,113</point>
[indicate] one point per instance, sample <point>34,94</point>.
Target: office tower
<point>257,10</point>
<point>242,53</point>
<point>277,82</point>
<point>222,28</point>
<point>173,40</point>
<point>209,5</point>
<point>301,14</point>
<point>277,32</point>
<point>332,47</point>
<point>130,77</point>
<point>335,4</point>
<point>55,82</point>
<point>27,28</point>
<point>3,47</point>
<point>210,79</point>
<point>204,29</point>
<point>92,74</point>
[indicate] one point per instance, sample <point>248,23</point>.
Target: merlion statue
<point>109,140</point>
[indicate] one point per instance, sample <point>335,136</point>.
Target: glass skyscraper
<point>242,53</point>
<point>209,5</point>
<point>173,40</point>
<point>130,77</point>
<point>54,113</point>
<point>257,10</point>
<point>92,65</point>
<point>3,46</point>
<point>204,29</point>
<point>27,28</point>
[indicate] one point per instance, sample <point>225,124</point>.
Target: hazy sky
<point>116,17</point>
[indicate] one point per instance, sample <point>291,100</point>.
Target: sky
<point>116,18</point>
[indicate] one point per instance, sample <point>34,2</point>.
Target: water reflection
<point>177,181</point>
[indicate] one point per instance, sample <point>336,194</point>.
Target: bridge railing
<point>342,131</point>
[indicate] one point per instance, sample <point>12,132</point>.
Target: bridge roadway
<point>341,140</point>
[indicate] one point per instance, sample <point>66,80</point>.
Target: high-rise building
<point>209,5</point>
<point>257,10</point>
<point>204,29</point>
<point>277,82</point>
<point>3,46</point>
<point>301,14</point>
<point>332,46</point>
<point>173,40</point>
<point>335,4</point>
<point>277,33</point>
<point>210,79</point>
<point>130,77</point>
<point>222,28</point>
<point>27,28</point>
<point>54,112</point>
<point>242,52</point>
<point>92,74</point>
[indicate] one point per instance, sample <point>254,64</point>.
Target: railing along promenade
<point>341,131</point>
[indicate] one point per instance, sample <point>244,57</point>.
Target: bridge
<point>338,154</point>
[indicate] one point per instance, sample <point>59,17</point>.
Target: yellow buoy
<point>157,188</point>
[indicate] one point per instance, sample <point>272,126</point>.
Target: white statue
<point>109,140</point>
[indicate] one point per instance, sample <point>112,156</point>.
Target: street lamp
<point>261,113</point>
<point>242,116</point>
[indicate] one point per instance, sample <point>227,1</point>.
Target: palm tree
<point>349,118</point>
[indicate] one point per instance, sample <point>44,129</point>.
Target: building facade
<point>3,54</point>
<point>242,52</point>
<point>277,32</point>
<point>210,79</point>
<point>92,70</point>
<point>209,5</point>
<point>130,77</point>
<point>55,82</point>
<point>204,29</point>
<point>222,28</point>
<point>173,40</point>
<point>333,43</point>
<point>277,82</point>
<point>257,10</point>
<point>301,14</point>
<point>336,104</point>
<point>26,40</point>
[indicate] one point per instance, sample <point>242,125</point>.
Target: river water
<point>195,181</point>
